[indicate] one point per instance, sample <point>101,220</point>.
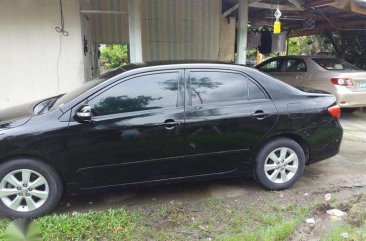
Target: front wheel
<point>279,164</point>
<point>28,188</point>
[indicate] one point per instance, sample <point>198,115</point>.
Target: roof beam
<point>231,10</point>
<point>358,8</point>
<point>282,7</point>
<point>320,3</point>
<point>236,7</point>
<point>298,4</point>
<point>102,12</point>
<point>325,26</point>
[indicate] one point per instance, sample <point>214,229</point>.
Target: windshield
<point>85,87</point>
<point>335,64</point>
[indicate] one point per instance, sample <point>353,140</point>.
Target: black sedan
<point>162,122</point>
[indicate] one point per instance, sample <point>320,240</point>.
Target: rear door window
<point>207,87</point>
<point>255,93</point>
<point>293,65</point>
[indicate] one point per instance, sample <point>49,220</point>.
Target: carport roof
<point>327,14</point>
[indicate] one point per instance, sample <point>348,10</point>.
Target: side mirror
<point>84,114</point>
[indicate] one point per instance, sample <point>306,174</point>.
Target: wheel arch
<point>297,138</point>
<point>36,158</point>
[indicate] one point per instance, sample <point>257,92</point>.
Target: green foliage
<point>114,224</point>
<point>114,56</point>
<point>251,53</point>
<point>309,45</point>
<point>347,45</point>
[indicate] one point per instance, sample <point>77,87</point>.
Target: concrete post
<point>135,29</point>
<point>242,31</point>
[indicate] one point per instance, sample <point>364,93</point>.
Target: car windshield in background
<point>85,87</point>
<point>335,64</point>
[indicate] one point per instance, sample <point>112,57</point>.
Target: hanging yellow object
<point>277,27</point>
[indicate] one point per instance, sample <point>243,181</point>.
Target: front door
<point>227,116</point>
<point>136,132</point>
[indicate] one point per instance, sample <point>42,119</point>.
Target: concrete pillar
<point>135,29</point>
<point>242,31</point>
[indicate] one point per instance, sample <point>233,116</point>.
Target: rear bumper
<point>328,147</point>
<point>328,151</point>
<point>348,99</point>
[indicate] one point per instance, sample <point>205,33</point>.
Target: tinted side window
<point>294,65</point>
<point>271,66</point>
<point>148,92</point>
<point>255,93</point>
<point>211,87</point>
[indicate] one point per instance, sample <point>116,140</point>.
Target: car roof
<point>179,64</point>
<point>276,88</point>
<point>303,57</point>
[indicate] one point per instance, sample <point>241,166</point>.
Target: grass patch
<point>354,226</point>
<point>272,225</point>
<point>112,224</point>
<point>229,219</point>
<point>352,233</point>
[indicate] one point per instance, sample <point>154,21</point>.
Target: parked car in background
<point>156,123</point>
<point>345,81</point>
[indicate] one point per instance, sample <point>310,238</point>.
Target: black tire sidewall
<point>54,183</point>
<point>259,172</point>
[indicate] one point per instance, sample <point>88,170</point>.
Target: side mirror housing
<point>83,114</point>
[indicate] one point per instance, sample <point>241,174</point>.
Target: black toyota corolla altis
<point>152,123</point>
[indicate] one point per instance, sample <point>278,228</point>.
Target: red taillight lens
<point>342,81</point>
<point>335,111</point>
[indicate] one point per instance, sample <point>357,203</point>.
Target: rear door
<point>227,114</point>
<point>292,71</point>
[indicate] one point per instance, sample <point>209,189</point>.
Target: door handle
<point>170,124</point>
<point>259,115</point>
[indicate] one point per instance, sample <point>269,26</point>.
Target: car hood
<point>16,116</point>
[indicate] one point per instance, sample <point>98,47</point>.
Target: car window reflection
<point>213,87</point>
<point>138,94</point>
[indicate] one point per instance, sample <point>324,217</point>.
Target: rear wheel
<point>279,164</point>
<point>28,188</point>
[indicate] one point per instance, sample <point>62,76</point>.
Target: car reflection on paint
<point>345,81</point>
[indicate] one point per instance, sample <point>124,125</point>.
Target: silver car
<point>345,81</point>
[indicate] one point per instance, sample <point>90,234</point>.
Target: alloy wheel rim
<point>24,190</point>
<point>281,165</point>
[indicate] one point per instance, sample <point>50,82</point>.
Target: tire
<point>45,193</point>
<point>286,174</point>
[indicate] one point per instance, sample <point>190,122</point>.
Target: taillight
<point>342,81</point>
<point>335,111</point>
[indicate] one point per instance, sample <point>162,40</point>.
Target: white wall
<point>29,49</point>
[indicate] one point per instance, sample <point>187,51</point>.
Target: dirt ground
<point>343,176</point>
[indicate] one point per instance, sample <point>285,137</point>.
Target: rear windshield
<point>335,64</point>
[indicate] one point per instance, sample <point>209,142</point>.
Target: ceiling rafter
<point>299,4</point>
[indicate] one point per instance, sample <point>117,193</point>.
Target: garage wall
<point>108,28</point>
<point>176,29</point>
<point>30,46</point>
